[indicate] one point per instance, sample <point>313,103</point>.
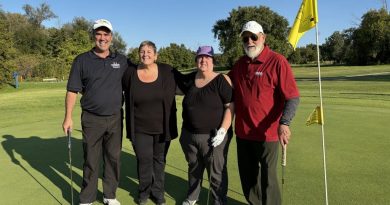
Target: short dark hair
<point>147,43</point>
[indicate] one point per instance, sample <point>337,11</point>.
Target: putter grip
<point>284,155</point>
<point>69,138</point>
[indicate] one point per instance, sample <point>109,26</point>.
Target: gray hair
<point>147,43</point>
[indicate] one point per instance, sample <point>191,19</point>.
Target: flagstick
<point>322,124</point>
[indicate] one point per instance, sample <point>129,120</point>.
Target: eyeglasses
<point>254,37</point>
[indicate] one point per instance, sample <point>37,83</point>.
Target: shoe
<point>189,202</point>
<point>85,204</point>
<point>158,201</point>
<point>142,201</point>
<point>111,202</point>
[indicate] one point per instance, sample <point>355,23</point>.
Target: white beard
<point>253,52</point>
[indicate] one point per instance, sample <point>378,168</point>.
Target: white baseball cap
<point>253,27</point>
<point>102,23</point>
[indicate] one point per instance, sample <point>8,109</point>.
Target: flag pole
<point>322,124</point>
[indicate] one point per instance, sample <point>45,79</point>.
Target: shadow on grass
<point>370,77</point>
<point>175,187</point>
<point>47,156</point>
<point>50,157</point>
<point>12,85</point>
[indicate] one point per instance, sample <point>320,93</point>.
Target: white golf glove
<point>218,139</point>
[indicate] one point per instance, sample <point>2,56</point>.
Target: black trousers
<point>101,134</point>
<point>257,164</point>
<point>151,151</point>
<point>200,155</point>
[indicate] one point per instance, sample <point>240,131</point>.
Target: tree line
<point>36,52</point>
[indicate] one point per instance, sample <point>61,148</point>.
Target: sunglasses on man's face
<point>254,37</point>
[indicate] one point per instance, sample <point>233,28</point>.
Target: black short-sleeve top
<point>99,82</point>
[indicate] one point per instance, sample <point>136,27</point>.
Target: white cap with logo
<point>253,27</point>
<point>102,23</point>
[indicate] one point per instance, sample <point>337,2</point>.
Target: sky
<point>190,22</point>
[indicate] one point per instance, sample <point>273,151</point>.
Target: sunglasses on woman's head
<point>254,37</point>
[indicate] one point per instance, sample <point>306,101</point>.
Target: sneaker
<point>85,204</point>
<point>189,202</point>
<point>110,202</point>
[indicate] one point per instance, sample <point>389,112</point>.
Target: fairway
<point>34,155</point>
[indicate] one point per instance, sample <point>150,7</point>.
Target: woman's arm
<point>226,121</point>
<point>228,116</point>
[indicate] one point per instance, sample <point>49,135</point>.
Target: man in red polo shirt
<point>266,97</point>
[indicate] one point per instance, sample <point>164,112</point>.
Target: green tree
<point>27,38</point>
<point>17,21</point>
<point>334,47</point>
<point>350,54</point>
<point>7,50</point>
<point>295,56</point>
<point>71,40</point>
<point>133,55</point>
<point>227,31</point>
<point>118,44</point>
<point>219,60</point>
<point>51,67</point>
<point>55,39</point>
<point>309,53</point>
<point>74,45</point>
<point>31,40</point>
<point>37,15</point>
<point>372,38</point>
<point>80,23</point>
<point>177,56</point>
<point>25,64</point>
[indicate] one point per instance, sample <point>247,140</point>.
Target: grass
<point>34,155</point>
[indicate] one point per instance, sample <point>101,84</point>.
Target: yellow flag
<point>317,116</point>
<point>306,19</point>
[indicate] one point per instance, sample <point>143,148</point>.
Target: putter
<point>284,162</point>
<point>213,133</point>
<point>211,164</point>
<point>70,164</point>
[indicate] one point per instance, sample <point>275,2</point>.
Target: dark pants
<point>200,155</point>
<point>257,164</point>
<point>150,151</point>
<point>100,133</point>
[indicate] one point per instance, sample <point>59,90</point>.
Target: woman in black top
<point>206,133</point>
<point>150,119</point>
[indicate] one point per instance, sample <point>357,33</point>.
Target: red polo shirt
<point>261,88</point>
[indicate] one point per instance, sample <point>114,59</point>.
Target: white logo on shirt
<point>258,73</point>
<point>115,65</point>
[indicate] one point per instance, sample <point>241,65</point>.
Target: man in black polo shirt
<point>97,75</point>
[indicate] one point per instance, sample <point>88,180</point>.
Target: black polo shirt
<point>99,82</point>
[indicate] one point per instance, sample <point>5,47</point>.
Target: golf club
<point>211,166</point>
<point>284,162</point>
<point>70,163</point>
<point>214,133</point>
